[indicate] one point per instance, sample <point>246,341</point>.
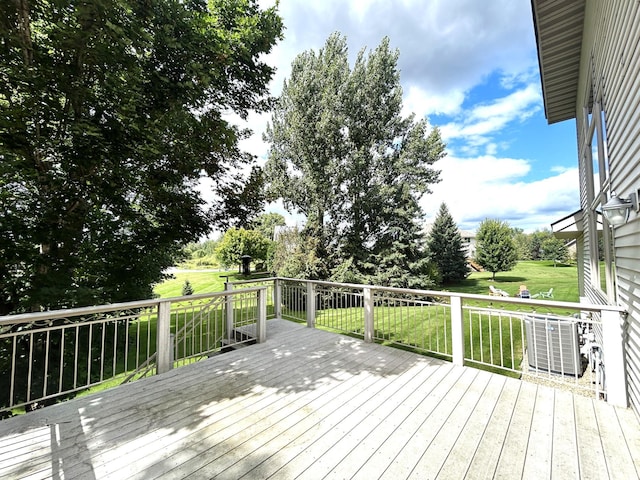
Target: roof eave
<point>558,26</point>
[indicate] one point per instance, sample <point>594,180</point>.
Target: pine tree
<point>187,288</point>
<point>445,247</point>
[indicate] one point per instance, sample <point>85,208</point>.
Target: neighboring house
<point>469,242</point>
<point>468,239</point>
<point>589,56</point>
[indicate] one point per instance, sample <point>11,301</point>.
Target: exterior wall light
<point>617,209</point>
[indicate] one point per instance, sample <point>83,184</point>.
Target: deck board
<point>310,404</point>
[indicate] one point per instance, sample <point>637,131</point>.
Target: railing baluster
<point>13,370</point>
<point>30,367</point>
<point>61,365</point>
<point>46,365</point>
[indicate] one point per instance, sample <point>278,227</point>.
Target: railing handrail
<point>589,307</point>
<point>109,307</point>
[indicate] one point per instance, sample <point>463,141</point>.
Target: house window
<point>596,171</point>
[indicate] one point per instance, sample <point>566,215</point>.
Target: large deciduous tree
<point>238,242</point>
<point>445,247</point>
<point>266,224</point>
<point>342,154</point>
<point>495,249</point>
<point>110,111</point>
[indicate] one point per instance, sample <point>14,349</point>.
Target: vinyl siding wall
<point>610,66</point>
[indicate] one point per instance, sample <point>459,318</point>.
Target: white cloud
<point>418,101</point>
<point>447,49</point>
<point>491,187</point>
<point>477,125</point>
<point>446,46</point>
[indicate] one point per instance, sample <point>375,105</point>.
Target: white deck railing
<point>48,355</point>
<point>575,344</point>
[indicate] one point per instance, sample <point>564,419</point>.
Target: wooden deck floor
<point>310,404</point>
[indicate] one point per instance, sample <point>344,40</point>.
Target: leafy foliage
<point>495,249</point>
<point>110,112</point>
<point>295,256</point>
<point>554,249</point>
<point>445,247</point>
<point>539,245</point>
<point>342,155</point>
<point>237,242</point>
<point>266,224</point>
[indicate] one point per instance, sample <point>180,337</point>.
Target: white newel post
<point>613,353</point>
<point>228,287</point>
<point>368,315</point>
<point>261,324</point>
<point>277,298</point>
<point>311,305</point>
<point>164,347</point>
<point>457,334</point>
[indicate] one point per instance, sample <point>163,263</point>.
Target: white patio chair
<point>497,292</point>
<point>548,294</point>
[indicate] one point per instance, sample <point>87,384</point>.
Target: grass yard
<point>538,276</point>
<point>202,282</point>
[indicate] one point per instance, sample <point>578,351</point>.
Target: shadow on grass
<point>503,279</point>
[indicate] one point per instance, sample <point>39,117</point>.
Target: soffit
<point>558,27</point>
<point>572,226</point>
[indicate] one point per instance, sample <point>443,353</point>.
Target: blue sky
<point>471,68</point>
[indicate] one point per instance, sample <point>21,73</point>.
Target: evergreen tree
<point>445,247</point>
<point>495,249</point>
<point>187,288</point>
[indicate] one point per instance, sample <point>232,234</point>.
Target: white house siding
<point>611,60</point>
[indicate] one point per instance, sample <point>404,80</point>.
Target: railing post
<point>457,334</point>
<point>261,322</point>
<point>613,352</point>
<point>228,287</point>
<point>277,298</point>
<point>368,315</point>
<point>311,305</point>
<point>163,338</point>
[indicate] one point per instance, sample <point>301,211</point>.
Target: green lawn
<point>538,276</point>
<point>202,282</point>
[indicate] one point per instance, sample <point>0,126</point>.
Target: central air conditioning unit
<point>553,345</point>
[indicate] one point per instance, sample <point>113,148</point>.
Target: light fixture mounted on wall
<point>617,209</point>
